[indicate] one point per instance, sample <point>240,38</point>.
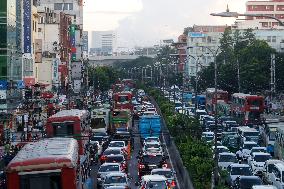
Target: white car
<point>152,181</point>
<point>107,168</point>
<point>257,161</point>
<point>118,144</point>
<point>264,187</point>
<point>153,148</point>
<point>269,164</point>
<point>225,159</point>
<point>236,170</point>
<point>247,146</point>
<point>152,139</point>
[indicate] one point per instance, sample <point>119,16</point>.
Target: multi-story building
<point>268,7</point>
<point>200,38</point>
<point>11,80</point>
<point>103,43</point>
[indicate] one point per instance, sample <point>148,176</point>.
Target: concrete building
<point>11,81</point>
<point>198,39</point>
<point>268,7</point>
<point>103,43</point>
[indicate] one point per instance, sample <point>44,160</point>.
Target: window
<point>63,129</point>
<point>268,39</point>
<point>43,181</point>
<point>274,39</point>
<point>58,6</point>
<point>63,6</point>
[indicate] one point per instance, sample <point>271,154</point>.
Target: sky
<point>147,22</point>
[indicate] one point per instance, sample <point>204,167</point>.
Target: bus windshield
<point>255,102</point>
<point>63,129</point>
<point>250,134</point>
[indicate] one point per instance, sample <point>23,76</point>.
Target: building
<point>85,41</point>
<point>199,39</point>
<point>103,43</point>
<point>11,81</point>
<point>269,7</point>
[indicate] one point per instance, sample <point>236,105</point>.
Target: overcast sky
<point>146,22</point>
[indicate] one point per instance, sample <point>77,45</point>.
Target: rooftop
<point>72,112</point>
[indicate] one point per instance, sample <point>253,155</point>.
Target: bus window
<point>43,181</point>
<point>63,129</point>
<point>255,102</point>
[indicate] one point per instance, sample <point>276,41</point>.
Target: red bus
<point>128,84</point>
<point>123,100</point>
<point>210,99</point>
<point>49,164</point>
<point>70,123</point>
<point>246,108</point>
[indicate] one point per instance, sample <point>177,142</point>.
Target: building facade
<point>103,43</point>
<point>199,39</point>
<point>11,80</point>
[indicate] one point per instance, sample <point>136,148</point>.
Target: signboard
<point>196,34</point>
<point>55,75</point>
<point>27,26</point>
<point>3,85</point>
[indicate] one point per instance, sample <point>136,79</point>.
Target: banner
<point>27,26</point>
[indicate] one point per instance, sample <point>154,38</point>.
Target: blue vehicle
<point>201,101</point>
<point>187,96</point>
<point>149,126</point>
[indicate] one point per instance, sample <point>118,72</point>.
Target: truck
<point>120,119</point>
<point>149,126</point>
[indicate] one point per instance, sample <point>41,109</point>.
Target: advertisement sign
<point>196,34</point>
<point>55,65</point>
<point>3,85</point>
<point>27,26</point>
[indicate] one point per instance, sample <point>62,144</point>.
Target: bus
<point>279,143</point>
<point>100,119</point>
<point>223,109</point>
<point>70,123</point>
<point>211,101</point>
<point>50,164</point>
<point>120,119</point>
<point>247,109</point>
<point>123,100</point>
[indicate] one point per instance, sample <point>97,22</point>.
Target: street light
<point>236,15</point>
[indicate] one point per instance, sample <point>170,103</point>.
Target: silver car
<point>116,179</point>
<point>107,168</point>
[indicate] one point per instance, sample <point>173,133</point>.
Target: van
<point>277,175</point>
<point>268,166</point>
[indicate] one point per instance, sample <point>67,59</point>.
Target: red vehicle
<point>52,163</point>
<point>70,123</point>
<point>118,87</point>
<point>247,108</point>
<point>129,84</point>
<point>122,100</point>
<point>211,100</point>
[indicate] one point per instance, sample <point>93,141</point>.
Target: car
<point>246,148</point>
<point>220,149</point>
<point>146,163</point>
<point>116,179</point>
<point>257,161</point>
<point>207,137</point>
<point>268,166</point>
<point>152,148</point>
<point>225,159</point>
<point>168,173</point>
<point>152,139</point>
<point>115,187</point>
<point>118,144</point>
<point>117,159</point>
<point>247,182</point>
<point>111,151</point>
<point>105,169</point>
<point>236,170</point>
<point>153,182</point>
<point>258,149</point>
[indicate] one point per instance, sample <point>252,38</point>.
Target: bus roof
<point>46,154</point>
<point>70,113</point>
<point>242,95</point>
<point>212,90</point>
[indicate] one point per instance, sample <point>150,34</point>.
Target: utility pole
<point>239,79</point>
<point>272,76</point>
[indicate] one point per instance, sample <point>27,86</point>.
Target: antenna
<point>227,10</point>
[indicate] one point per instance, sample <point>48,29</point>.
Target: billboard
<point>196,34</point>
<point>55,74</point>
<point>27,26</point>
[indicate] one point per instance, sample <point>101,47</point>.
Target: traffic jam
<point>250,147</point>
<point>114,142</point>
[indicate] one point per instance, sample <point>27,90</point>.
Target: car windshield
<point>167,174</point>
<point>109,168</point>
<point>116,144</point>
<point>250,134</point>
<point>249,182</point>
<point>258,150</point>
<point>152,146</point>
<point>115,180</point>
<point>152,159</point>
<point>241,171</point>
<point>261,158</point>
<point>97,138</point>
<point>227,158</point>
<point>157,185</point>
<point>221,150</point>
<point>114,159</point>
<point>249,146</point>
<point>151,139</point>
<point>272,136</point>
<point>112,152</point>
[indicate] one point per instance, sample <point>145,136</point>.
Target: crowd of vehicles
<point>92,146</point>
